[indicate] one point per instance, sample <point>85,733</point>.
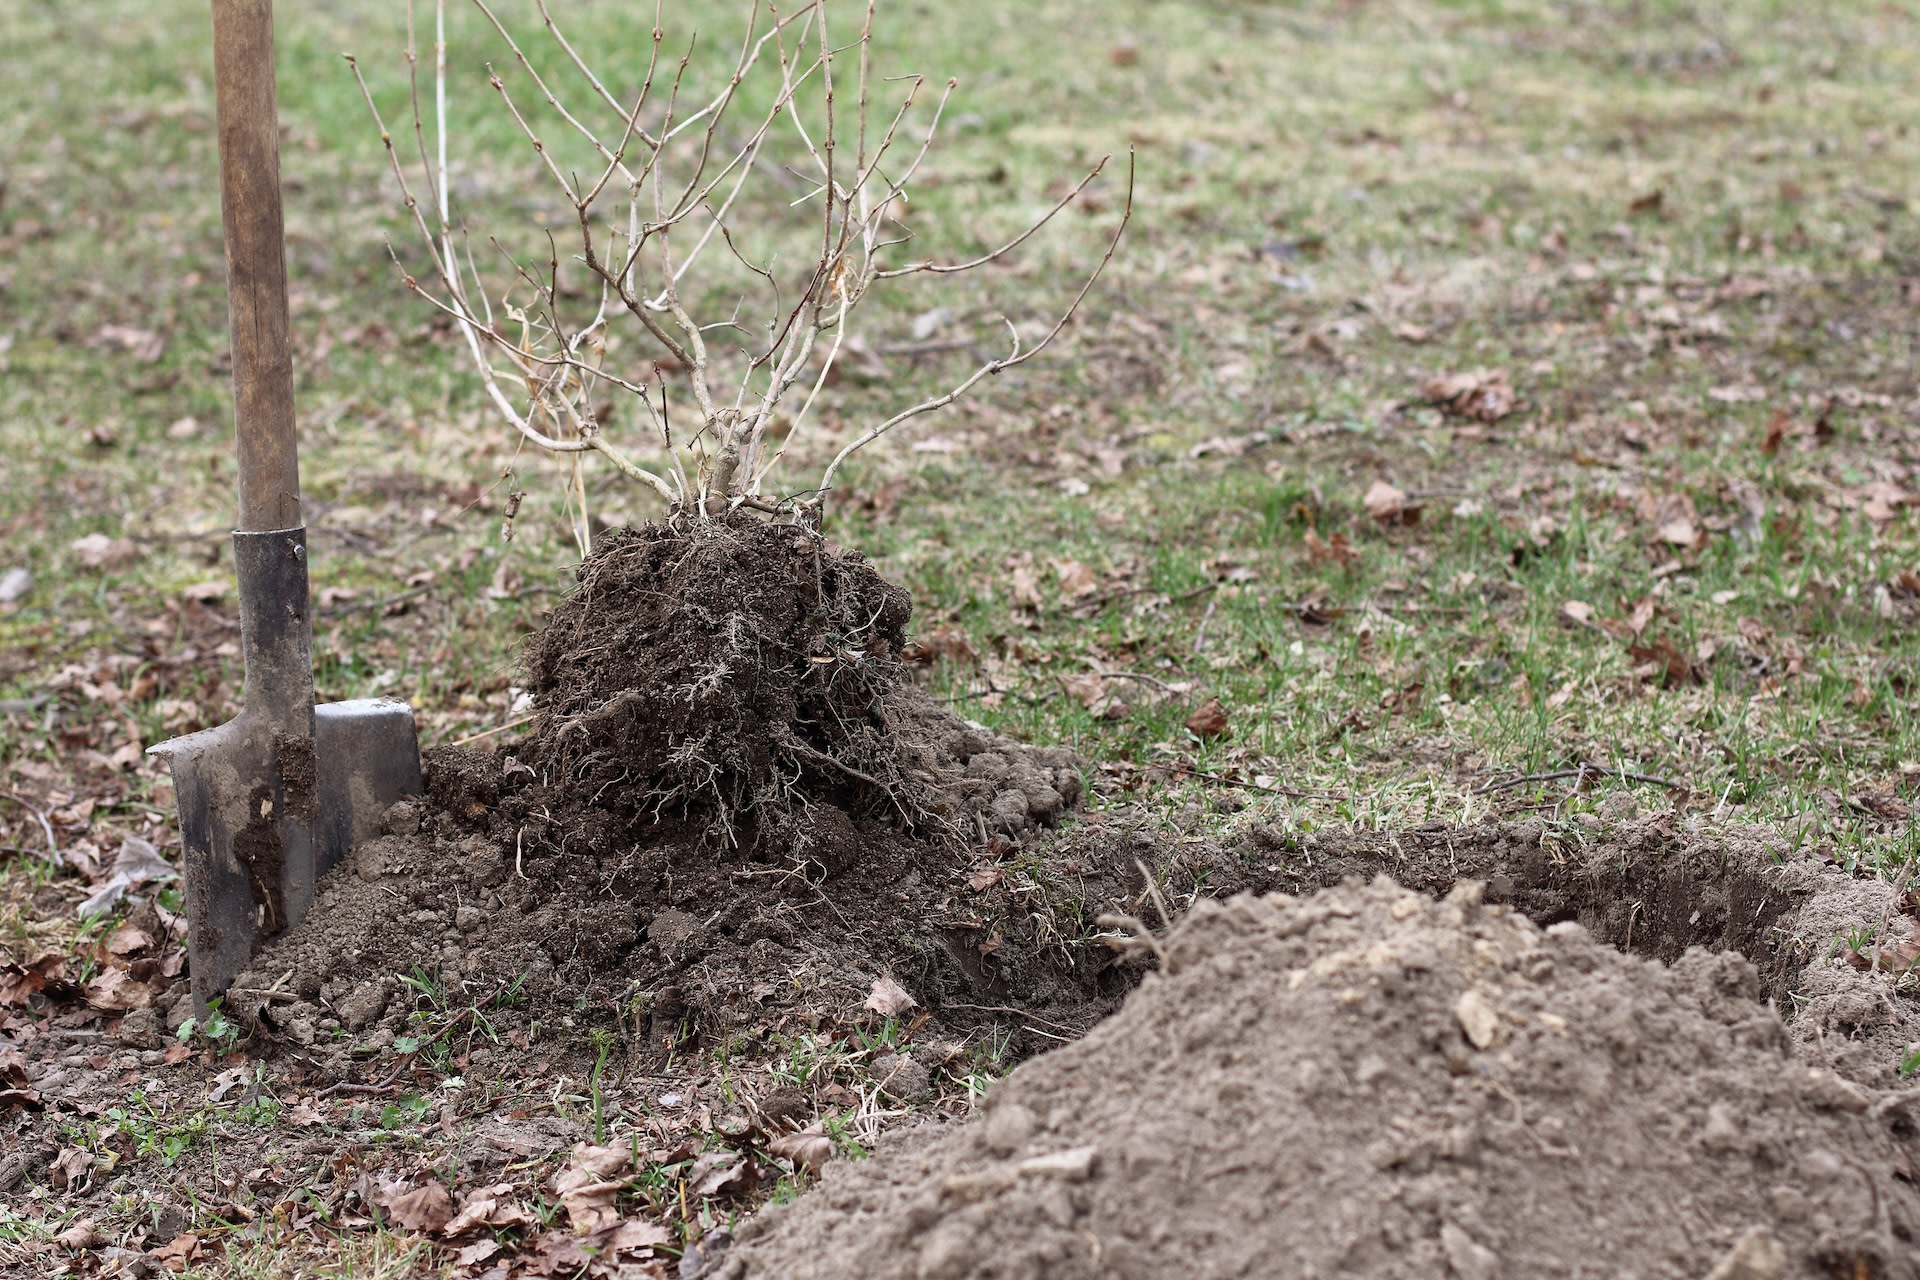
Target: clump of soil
<point>737,813</point>
<point>743,678</point>
<point>1369,1082</point>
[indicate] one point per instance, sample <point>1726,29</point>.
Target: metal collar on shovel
<point>275,797</point>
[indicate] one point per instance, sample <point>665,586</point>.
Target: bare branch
<point>1016,357</point>
<point>981,261</point>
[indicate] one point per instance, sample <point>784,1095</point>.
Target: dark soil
<point>742,679</point>
<point>736,814</point>
<point>1366,1082</point>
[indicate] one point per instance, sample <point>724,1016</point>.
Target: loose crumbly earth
<point>736,812</point>
<point>1368,1082</point>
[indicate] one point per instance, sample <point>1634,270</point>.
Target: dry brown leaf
<point>426,1207</point>
<point>557,1253</point>
<point>942,644</point>
<point>1089,690</point>
<point>1679,533</point>
<point>1577,611</point>
<point>81,1235</point>
<point>1026,595</point>
<point>589,1185</point>
<point>128,939</point>
<point>1673,666</point>
<point>1335,550</point>
<point>474,1254</point>
<point>1883,501</point>
<point>20,982</point>
<point>722,1175</point>
<point>1210,721</point>
<point>1484,395</point>
<point>98,551</point>
<point>178,1253</point>
<point>492,1206</point>
<point>1389,505</point>
<point>143,345</point>
<point>1076,580</point>
<point>888,998</point>
<point>636,1233</point>
<point>115,990</point>
<point>1776,432</point>
<point>69,1167</point>
<point>981,879</point>
<point>809,1147</point>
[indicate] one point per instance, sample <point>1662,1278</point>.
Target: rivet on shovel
<point>274,798</point>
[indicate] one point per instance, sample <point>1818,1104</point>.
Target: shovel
<point>274,798</point>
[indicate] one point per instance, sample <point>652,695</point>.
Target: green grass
<point>1334,202</point>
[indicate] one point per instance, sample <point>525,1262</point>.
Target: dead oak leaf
<point>1026,594</point>
<point>637,1234</point>
<point>1483,395</point>
<point>1209,721</point>
<point>178,1253</point>
<point>1076,580</point>
<point>426,1207</point>
<point>98,551</point>
<point>474,1254</point>
<point>983,878</point>
<point>1088,690</point>
<point>81,1235</point>
<point>1577,611</point>
<point>115,990</point>
<point>1389,505</point>
<point>1882,501</point>
<point>1632,626</point>
<point>590,1184</point>
<point>888,998</point>
<point>491,1206</point>
<point>1333,550</point>
<point>720,1173</point>
<point>942,644</point>
<point>1672,666</point>
<point>70,1168</point>
<point>1776,432</point>
<point>128,939</point>
<point>809,1148</point>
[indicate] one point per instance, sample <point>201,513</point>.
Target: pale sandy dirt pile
<point>1367,1082</point>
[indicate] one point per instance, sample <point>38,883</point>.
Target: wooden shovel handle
<point>256,264</point>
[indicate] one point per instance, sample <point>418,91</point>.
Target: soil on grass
<point>736,814</point>
<point>1369,1082</point>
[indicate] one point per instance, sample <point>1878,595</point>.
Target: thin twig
<point>53,846</point>
<point>1582,773</point>
<point>1155,681</point>
<point>343,1086</point>
<point>499,728</point>
<point>344,608</point>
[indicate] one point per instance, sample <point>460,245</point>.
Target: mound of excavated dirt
<point>1368,1082</point>
<point>737,812</point>
<point>1654,885</point>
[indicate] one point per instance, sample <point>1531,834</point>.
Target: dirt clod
<point>1369,1082</point>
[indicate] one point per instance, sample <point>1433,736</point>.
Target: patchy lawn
<point>1494,407</point>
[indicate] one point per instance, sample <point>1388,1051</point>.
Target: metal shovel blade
<point>272,800</point>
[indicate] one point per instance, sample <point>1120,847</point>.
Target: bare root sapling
<point>655,274</point>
